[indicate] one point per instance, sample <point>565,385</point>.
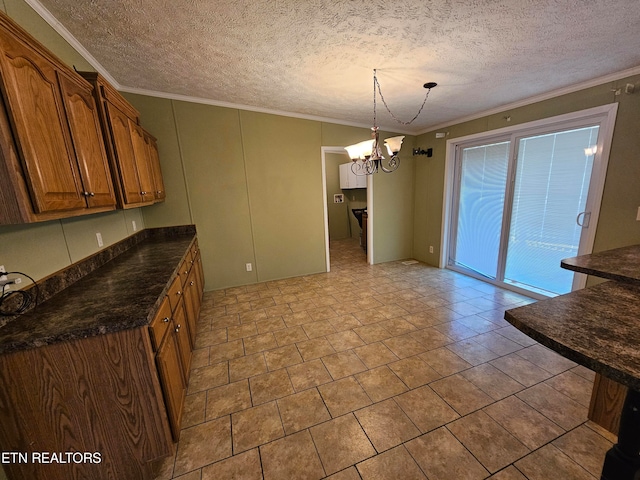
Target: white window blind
<point>550,191</point>
<point>483,176</point>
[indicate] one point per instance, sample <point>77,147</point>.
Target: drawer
<point>160,323</point>
<point>175,292</point>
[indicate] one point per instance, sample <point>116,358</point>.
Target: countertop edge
<point>535,320</point>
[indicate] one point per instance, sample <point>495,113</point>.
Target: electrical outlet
<point>133,224</point>
<point>249,267</point>
<point>99,239</point>
<point>430,248</point>
<point>6,288</point>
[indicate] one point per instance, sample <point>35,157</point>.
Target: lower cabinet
<point>173,331</point>
<point>170,364</point>
<point>98,395</point>
<point>108,395</point>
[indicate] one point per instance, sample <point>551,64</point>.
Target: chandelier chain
<point>376,84</point>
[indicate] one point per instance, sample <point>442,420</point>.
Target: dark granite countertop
<point>620,264</point>
<point>598,327</point>
<point>123,293</point>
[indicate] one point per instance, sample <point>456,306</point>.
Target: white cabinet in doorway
<point>348,179</point>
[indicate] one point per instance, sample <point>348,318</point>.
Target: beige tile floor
<point>390,371</point>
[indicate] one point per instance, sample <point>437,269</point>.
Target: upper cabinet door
<point>154,158</point>
<point>30,88</point>
<point>125,157</point>
<point>88,143</point>
<point>143,163</point>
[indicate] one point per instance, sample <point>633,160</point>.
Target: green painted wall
<point>393,206</point>
<point>43,248</point>
<point>252,184</point>
<point>617,225</point>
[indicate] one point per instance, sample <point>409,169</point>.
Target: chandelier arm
<point>377,84</point>
<point>363,167</point>
<point>394,163</point>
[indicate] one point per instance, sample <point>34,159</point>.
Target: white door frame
<point>607,114</point>
<point>341,150</point>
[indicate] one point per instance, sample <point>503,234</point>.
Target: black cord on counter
<point>26,300</point>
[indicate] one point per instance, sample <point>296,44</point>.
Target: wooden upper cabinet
<point>142,162</point>
<point>126,147</point>
<point>123,155</point>
<point>154,158</point>
<point>52,159</point>
<point>30,88</point>
<point>86,136</point>
<point>68,145</point>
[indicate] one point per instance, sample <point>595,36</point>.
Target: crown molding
<point>612,77</point>
<point>251,108</point>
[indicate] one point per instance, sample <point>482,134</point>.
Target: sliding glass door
<point>522,202</point>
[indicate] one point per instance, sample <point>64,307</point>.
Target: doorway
<point>342,227</point>
<point>525,198</point>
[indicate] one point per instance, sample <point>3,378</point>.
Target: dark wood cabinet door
<point>86,136</point>
<point>125,156</point>
<point>171,378</point>
<point>30,87</point>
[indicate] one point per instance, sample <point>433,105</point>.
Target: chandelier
<point>367,156</point>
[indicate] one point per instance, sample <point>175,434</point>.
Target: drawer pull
<point>179,292</point>
<point>165,319</point>
<point>178,328</point>
<point>191,283</point>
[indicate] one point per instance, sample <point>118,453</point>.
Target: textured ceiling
<point>316,57</point>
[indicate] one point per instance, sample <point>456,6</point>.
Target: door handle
<point>586,218</point>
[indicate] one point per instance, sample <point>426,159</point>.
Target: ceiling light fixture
<point>367,156</point>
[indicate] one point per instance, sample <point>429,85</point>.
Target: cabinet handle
<point>86,194</point>
<point>178,328</point>
<point>159,192</point>
<point>91,194</point>
<point>191,283</point>
<point>143,193</point>
<point>165,319</point>
<point>179,292</point>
